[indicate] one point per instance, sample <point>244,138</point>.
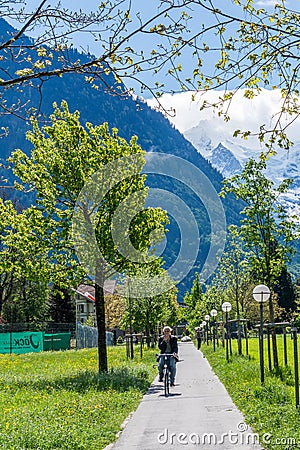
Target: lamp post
<point>214,313</point>
<point>207,318</point>
<point>226,307</point>
<point>204,331</point>
<point>130,321</point>
<point>261,294</point>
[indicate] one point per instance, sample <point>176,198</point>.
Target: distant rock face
<point>228,157</point>
<point>224,161</point>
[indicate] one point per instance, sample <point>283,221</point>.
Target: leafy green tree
<point>147,313</point>
<point>115,307</point>
<point>233,275</point>
<point>195,304</point>
<point>172,312</point>
<point>28,302</point>
<point>285,288</point>
<point>195,295</point>
<point>296,317</point>
<point>69,167</point>
<point>6,288</point>
<point>266,230</point>
<point>61,304</point>
<point>200,303</point>
<point>24,263</point>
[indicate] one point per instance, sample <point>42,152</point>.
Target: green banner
<point>24,342</point>
<point>57,341</point>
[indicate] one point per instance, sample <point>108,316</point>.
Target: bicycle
<point>166,371</point>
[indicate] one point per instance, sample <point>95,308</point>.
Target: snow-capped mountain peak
<point>224,161</point>
<point>213,137</point>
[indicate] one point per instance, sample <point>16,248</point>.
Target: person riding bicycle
<point>168,344</point>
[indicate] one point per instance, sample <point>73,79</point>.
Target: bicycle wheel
<point>167,383</point>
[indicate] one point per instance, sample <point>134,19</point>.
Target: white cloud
<point>244,114</point>
<point>266,3</point>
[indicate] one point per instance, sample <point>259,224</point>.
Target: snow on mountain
<point>224,160</point>
<point>228,157</point>
<point>213,137</point>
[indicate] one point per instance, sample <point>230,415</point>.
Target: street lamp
<point>207,318</point>
<point>130,321</point>
<point>214,313</point>
<point>261,294</point>
<point>226,307</point>
<point>204,330</point>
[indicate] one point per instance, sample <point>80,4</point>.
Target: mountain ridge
<point>131,117</point>
<point>229,158</point>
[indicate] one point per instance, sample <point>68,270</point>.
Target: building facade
<point>85,300</point>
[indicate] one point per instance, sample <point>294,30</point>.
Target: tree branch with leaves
<point>231,46</point>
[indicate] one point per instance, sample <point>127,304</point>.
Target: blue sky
<point>146,9</point>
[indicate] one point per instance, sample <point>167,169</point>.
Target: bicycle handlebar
<point>169,354</point>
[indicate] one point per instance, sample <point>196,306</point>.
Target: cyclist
<point>168,344</point>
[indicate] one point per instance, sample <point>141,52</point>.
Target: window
<point>80,308</point>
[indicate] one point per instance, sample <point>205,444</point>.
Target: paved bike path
<point>198,413</point>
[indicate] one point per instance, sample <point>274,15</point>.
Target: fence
<point>87,337</point>
<point>138,338</point>
<point>46,327</point>
<point>47,336</point>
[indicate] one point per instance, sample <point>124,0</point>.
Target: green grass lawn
<point>57,400</point>
<point>269,409</point>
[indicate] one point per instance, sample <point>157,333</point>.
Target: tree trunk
<point>148,336</point>
<point>100,317</point>
<point>1,298</point>
<point>25,303</point>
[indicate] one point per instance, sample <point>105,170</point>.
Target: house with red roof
<point>85,300</point>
